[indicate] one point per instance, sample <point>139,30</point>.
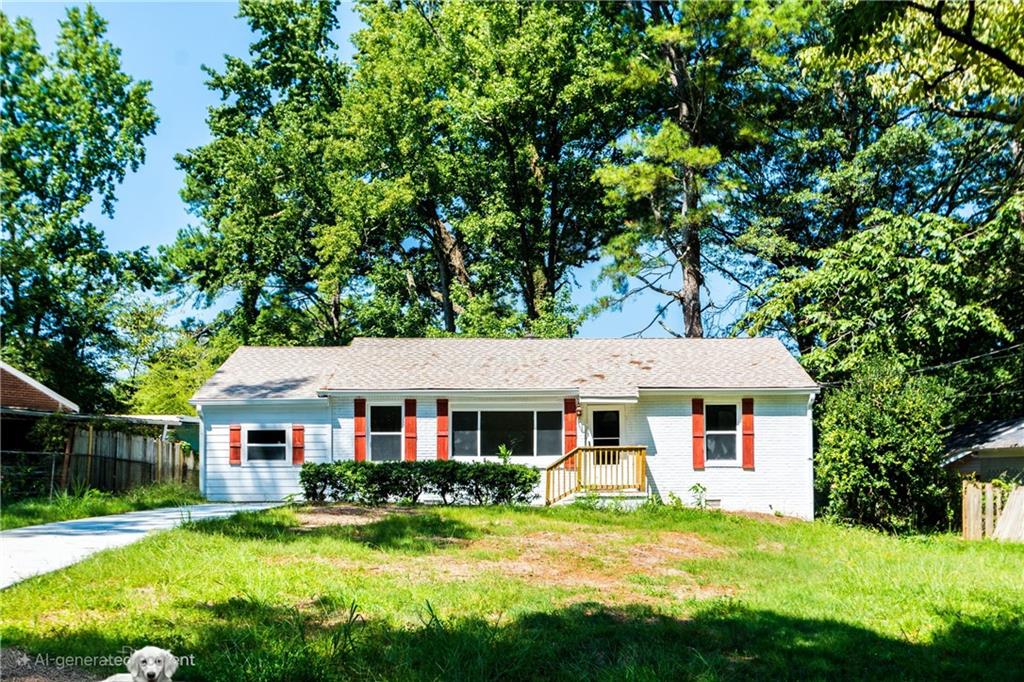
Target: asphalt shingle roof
<point>1003,434</point>
<point>594,367</point>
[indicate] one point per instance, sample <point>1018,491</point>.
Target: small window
<point>266,445</point>
<point>385,433</point>
<point>465,428</point>
<point>549,433</point>
<point>720,432</point>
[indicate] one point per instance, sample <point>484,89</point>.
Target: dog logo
<point>148,664</point>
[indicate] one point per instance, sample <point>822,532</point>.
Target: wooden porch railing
<point>620,467</point>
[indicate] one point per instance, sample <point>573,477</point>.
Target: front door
<point>605,425</point>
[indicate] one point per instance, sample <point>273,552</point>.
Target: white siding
<point>782,479</point>
<point>260,481</point>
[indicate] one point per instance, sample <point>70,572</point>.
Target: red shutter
<point>298,444</point>
<point>360,427</point>
<point>698,433</point>
<point>569,423</point>
<point>442,428</point>
<point>569,427</point>
<point>235,445</point>
<point>410,430</point>
<point>748,433</point>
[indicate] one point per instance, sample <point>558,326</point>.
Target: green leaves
<point>261,189</point>
<point>880,458</point>
<point>72,126</point>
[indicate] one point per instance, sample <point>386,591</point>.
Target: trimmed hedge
<point>454,482</point>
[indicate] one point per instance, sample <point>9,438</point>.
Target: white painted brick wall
<point>781,481</point>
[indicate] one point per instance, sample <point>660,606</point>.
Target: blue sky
<point>167,44</point>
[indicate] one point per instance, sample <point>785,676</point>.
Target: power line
<point>963,360</point>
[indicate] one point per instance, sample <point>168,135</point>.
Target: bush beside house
<point>451,481</point>
<point>879,461</point>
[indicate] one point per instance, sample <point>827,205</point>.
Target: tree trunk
<point>446,290</point>
<point>693,326</point>
<point>450,263</point>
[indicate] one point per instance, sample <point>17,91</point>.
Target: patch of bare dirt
<point>601,561</point>
<point>346,515</point>
<point>771,518</point>
<point>611,562</point>
<point>19,666</point>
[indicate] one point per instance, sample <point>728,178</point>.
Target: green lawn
<point>564,593</point>
<point>91,502</point>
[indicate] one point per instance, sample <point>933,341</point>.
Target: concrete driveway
<point>33,550</point>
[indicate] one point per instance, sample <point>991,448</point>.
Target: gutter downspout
<point>202,451</point>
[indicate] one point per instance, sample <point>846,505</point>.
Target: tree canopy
<point>854,170</point>
<point>72,125</point>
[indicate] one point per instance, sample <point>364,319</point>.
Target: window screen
<point>720,417</point>
<point>549,433</point>
<point>385,433</point>
<point>464,433</point>
<point>720,432</point>
<point>606,427</point>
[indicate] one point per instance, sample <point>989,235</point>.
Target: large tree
<point>713,68</point>
<point>260,187</point>
<point>73,124</point>
<point>904,240</point>
<point>471,134</point>
<point>449,174</point>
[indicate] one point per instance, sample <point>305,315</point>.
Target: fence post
<point>989,512</point>
<point>972,515</point>
<point>88,459</point>
<point>69,441</point>
<point>53,472</point>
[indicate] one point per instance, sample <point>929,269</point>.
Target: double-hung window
<point>385,433</point>
<point>721,433</point>
<point>266,445</point>
<point>524,432</point>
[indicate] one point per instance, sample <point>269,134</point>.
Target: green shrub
<point>477,482</point>
<point>879,462</point>
<point>447,479</point>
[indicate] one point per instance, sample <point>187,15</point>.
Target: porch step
<point>630,498</point>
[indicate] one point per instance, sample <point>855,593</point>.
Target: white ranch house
<point>629,416</point>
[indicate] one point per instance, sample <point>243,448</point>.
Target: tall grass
<point>83,502</point>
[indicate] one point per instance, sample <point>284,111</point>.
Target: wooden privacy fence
<point>992,511</point>
<point>116,460</point>
<point>104,459</point>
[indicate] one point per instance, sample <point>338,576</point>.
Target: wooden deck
<point>598,469</point>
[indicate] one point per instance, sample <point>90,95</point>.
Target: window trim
<point>478,410</point>
<point>737,432</point>
<point>400,404</point>
<point>287,428</point>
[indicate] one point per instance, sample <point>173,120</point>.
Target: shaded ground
<point>18,666</point>
<point>433,593</point>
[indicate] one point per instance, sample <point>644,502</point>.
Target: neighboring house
<point>23,402</point>
<point>19,391</point>
<point>988,450</point>
<point>622,415</point>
